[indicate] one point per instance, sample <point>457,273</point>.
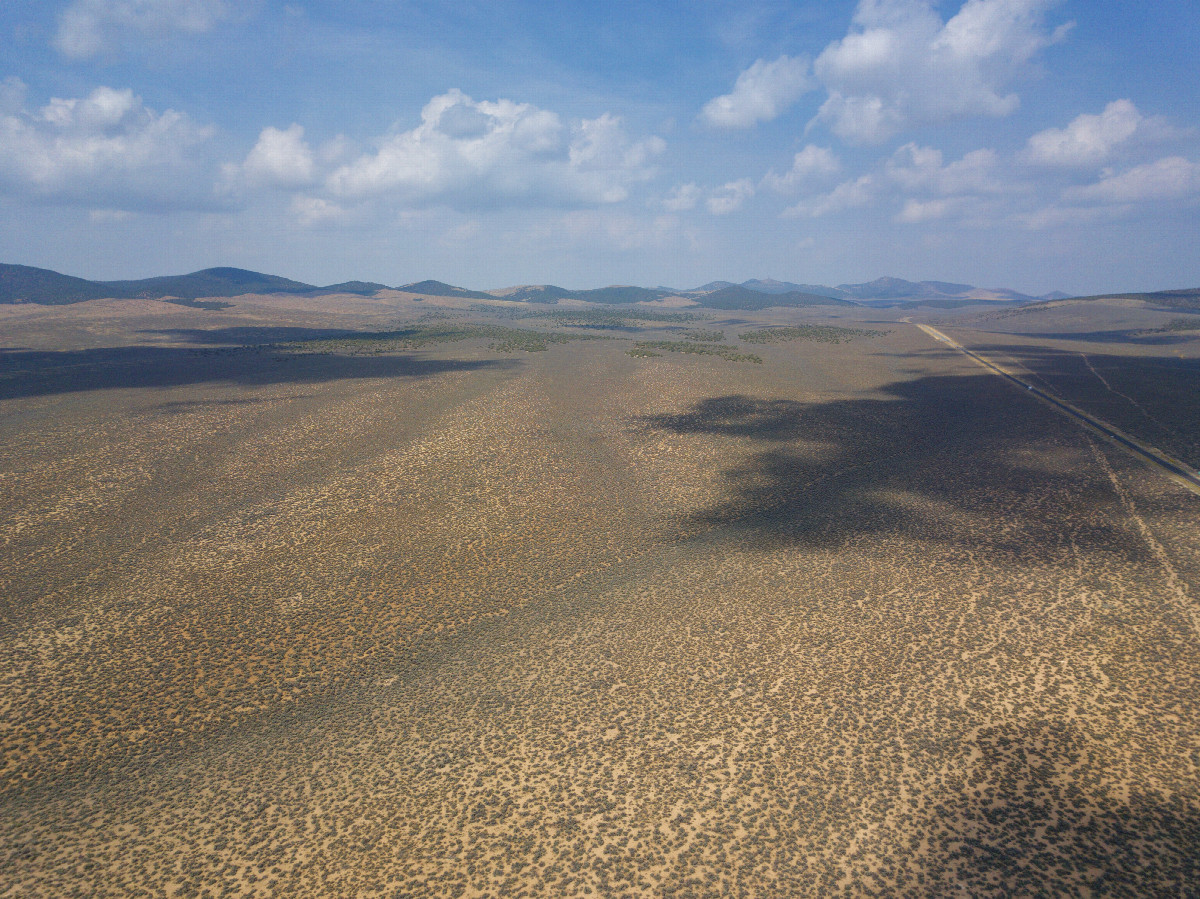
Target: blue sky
<point>1034,144</point>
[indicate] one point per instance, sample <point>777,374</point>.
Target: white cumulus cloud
<point>1093,139</point>
<point>106,150</point>
<point>760,94</point>
<point>851,194</point>
<point>919,178</point>
<point>812,164</point>
<point>87,28</point>
<point>729,197</point>
<point>1173,178</point>
<point>471,154</point>
<point>682,197</point>
<point>921,169</point>
<point>315,210</point>
<point>280,158</point>
<point>918,211</point>
<point>901,65</point>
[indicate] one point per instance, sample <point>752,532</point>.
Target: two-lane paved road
<point>1175,469</point>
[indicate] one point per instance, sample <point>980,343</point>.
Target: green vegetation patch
<point>819,333</point>
<point>704,336</point>
<point>642,352</point>
<point>503,340</point>
<point>725,351</point>
<point>625,319</point>
<point>208,305</point>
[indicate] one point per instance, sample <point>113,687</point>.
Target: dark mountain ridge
<point>27,284</point>
<point>743,298</point>
<point>210,282</point>
<point>442,289</point>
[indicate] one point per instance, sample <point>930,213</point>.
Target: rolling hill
<point>619,295</point>
<point>362,288</point>
<point>770,285</point>
<point>1185,300</point>
<point>738,297</point>
<point>442,289</point>
<point>533,293</point>
<point>26,284</point>
<point>210,282</point>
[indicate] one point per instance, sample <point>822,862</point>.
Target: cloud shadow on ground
<point>241,356</point>
<point>946,459</point>
<point>1026,822</point>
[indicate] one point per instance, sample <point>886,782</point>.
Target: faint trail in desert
<point>1124,396</point>
<point>1176,587</point>
<point>1176,470</point>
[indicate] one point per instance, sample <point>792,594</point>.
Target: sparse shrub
<point>725,351</point>
<point>504,339</point>
<point>819,333</point>
<point>1182,324</point>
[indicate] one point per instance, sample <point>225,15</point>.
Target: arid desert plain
<point>403,596</point>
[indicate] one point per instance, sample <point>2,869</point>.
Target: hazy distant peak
<point>532,293</point>
<point>431,288</point>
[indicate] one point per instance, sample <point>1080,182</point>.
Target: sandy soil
<point>451,621</point>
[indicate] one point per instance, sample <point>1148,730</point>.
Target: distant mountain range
<point>891,291</point>
<point>25,284</point>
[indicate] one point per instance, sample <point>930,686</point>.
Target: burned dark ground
<point>376,597</point>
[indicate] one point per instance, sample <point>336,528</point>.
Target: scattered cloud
<point>760,94</point>
<point>470,154</point>
<point>1090,140</point>
<point>918,211</point>
<point>919,178</point>
<point>729,197</point>
<point>106,151</point>
<point>983,189</point>
<point>901,65</point>
<point>682,198</point>
<point>280,158</point>
<point>812,164</point>
<point>1173,178</point>
<point>851,194</point>
<point>308,210</point>
<point>602,154</point>
<point>921,169</point>
<point>88,28</point>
